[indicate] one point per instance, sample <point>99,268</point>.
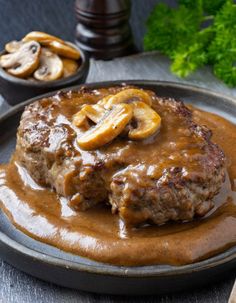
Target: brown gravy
<point>98,235</point>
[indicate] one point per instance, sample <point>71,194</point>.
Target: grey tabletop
<point>56,16</point>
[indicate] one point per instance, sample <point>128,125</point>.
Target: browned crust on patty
<point>46,146</point>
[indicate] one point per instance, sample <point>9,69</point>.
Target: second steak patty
<point>172,175</point>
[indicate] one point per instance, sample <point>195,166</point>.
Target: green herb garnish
<point>196,33</point>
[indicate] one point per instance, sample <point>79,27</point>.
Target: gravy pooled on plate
<point>176,174</point>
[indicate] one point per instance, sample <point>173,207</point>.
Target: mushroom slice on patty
<point>108,128</point>
<point>127,95</point>
<point>93,112</point>
<point>50,66</point>
<point>24,61</point>
<point>146,119</point>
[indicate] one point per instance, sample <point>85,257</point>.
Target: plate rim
<point>173,84</point>
<point>109,269</point>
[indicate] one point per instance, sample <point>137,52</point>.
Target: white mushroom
<point>93,112</point>
<point>108,128</point>
<point>147,121</point>
<point>50,66</point>
<point>41,37</point>
<point>125,96</point>
<point>64,49</point>
<point>69,67</point>
<point>56,44</point>
<point>13,46</point>
<point>24,61</point>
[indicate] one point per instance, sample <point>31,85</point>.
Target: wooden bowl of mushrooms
<point>37,64</point>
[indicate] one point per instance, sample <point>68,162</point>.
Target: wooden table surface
<point>56,17</point>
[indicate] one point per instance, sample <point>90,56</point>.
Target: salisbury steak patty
<point>173,175</point>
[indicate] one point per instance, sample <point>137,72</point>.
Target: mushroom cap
<point>93,112</point>
<point>50,66</point>
<point>126,96</point>
<point>147,119</point>
<point>13,46</point>
<point>56,44</point>
<point>22,62</point>
<point>113,118</point>
<point>107,128</point>
<point>41,37</point>
<point>64,49</point>
<point>69,66</point>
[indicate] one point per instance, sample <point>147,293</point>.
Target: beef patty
<point>173,175</point>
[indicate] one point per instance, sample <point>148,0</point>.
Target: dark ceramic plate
<point>51,264</point>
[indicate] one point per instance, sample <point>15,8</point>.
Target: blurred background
<point>58,18</point>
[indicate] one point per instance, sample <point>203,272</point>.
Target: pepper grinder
<point>103,29</point>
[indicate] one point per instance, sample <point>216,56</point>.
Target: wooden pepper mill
<point>103,30</point>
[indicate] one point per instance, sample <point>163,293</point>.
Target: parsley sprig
<point>196,33</point>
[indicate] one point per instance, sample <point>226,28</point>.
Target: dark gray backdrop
<point>18,17</point>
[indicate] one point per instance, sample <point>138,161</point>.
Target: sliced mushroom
<point>50,66</point>
<point>79,119</point>
<point>69,67</point>
<point>41,37</point>
<point>13,46</point>
<point>56,44</point>
<point>128,95</point>
<point>94,112</point>
<point>64,49</point>
<point>108,128</point>
<point>22,62</point>
<point>148,121</point>
<point>104,100</point>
